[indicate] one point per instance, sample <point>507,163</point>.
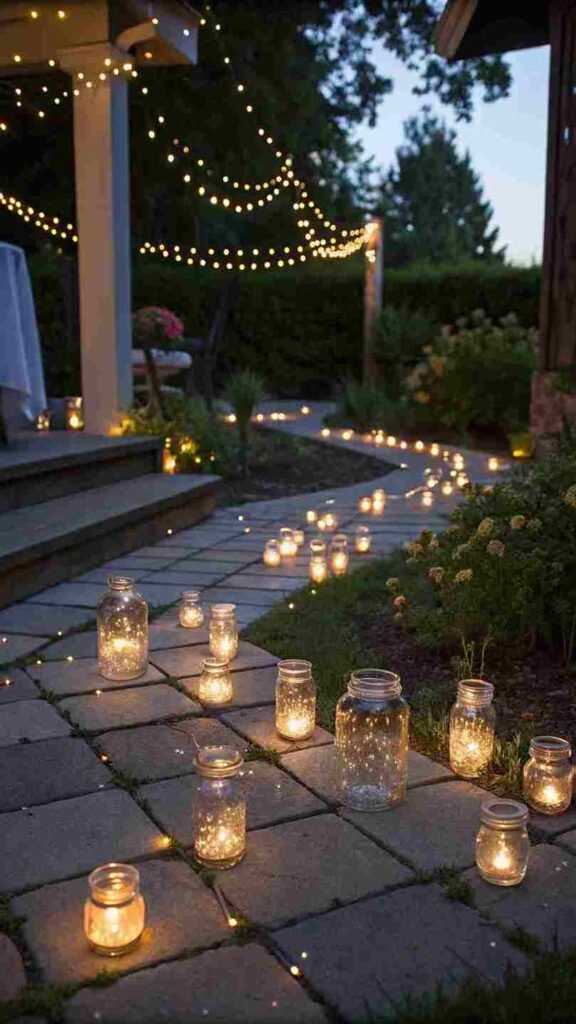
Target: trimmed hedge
<point>301,329</point>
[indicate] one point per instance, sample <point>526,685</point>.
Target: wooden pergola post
<point>373,284</point>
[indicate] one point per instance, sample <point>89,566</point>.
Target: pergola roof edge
<point>476,28</point>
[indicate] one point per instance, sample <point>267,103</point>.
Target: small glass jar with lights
<point>114,913</point>
<point>219,808</point>
<point>339,557</point>
<point>363,540</point>
<point>122,622</point>
<point>295,700</point>
<point>472,723</point>
<point>190,614</point>
<point>318,566</point>
<point>502,843</point>
<point>272,556</point>
<point>223,632</point>
<point>288,546</point>
<point>548,775</point>
<point>215,686</point>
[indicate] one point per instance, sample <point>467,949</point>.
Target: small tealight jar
<point>458,461</point>
<point>363,540</point>
<point>219,808</point>
<point>272,556</point>
<point>372,741</point>
<point>43,421</point>
<point>378,502</point>
<point>74,414</point>
<point>115,911</point>
<point>339,557</point>
<point>365,503</point>
<point>434,449</point>
<point>447,488</point>
<point>330,521</point>
<point>427,499</point>
<point>223,632</point>
<point>502,843</point>
<point>122,618</point>
<point>190,614</point>
<point>472,721</point>
<point>299,537</point>
<point>295,700</point>
<point>311,516</point>
<point>288,547</point>
<point>215,686</point>
<point>493,464</point>
<point>547,780</point>
<point>318,567</point>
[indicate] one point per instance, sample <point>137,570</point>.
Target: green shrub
<point>478,375</point>
<point>244,390</point>
<point>196,436</point>
<point>402,335</point>
<point>505,569</point>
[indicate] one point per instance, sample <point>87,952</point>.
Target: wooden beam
<point>453,25</point>
<point>373,282</point>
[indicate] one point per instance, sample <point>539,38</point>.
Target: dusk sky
<point>506,139</point>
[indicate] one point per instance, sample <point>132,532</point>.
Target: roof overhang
<point>477,28</point>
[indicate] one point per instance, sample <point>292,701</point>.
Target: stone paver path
<point>346,913</point>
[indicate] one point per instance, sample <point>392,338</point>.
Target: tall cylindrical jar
<point>318,566</point>
<point>223,632</point>
<point>190,614</point>
<point>372,741</point>
<point>295,700</point>
<point>122,616</point>
<point>472,721</point>
<point>502,843</point>
<point>219,809</point>
<point>339,554</point>
<point>548,775</point>
<point>114,913</point>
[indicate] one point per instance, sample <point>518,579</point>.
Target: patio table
<point>21,375</point>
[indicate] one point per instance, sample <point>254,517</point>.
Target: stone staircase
<point>68,502</point>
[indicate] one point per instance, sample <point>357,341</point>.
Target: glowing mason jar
<point>318,567</point>
<point>219,810</point>
<point>311,516</point>
<point>299,537</point>
<point>288,546</point>
<point>339,557</point>
<point>122,617</point>
<point>74,414</point>
<point>114,913</point>
<point>365,503</point>
<point>372,741</point>
<point>327,522</point>
<point>378,501</point>
<point>215,686</point>
<point>363,540</point>
<point>502,843</point>
<point>271,556</point>
<point>190,614</point>
<point>472,721</point>
<point>547,782</point>
<point>295,700</point>
<point>223,632</point>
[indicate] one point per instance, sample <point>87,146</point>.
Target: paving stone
<point>83,595</point>
<point>188,661</point>
<point>55,841</point>
<point>181,915</point>
<point>12,973</point>
<point>567,839</point>
<point>165,634</point>
<point>18,645</point>
<point>316,768</point>
<point>82,676</point>
<point>159,593</point>
<point>252,686</point>
<point>30,720</point>
<point>304,867</point>
<point>161,751</point>
<point>543,904</point>
<point>433,941</point>
<point>211,555</point>
<point>186,580</point>
<point>225,567</point>
<point>236,595</point>
<point>79,645</point>
<point>37,773</point>
<point>279,584</point>
<point>135,561</point>
<point>103,575</point>
<point>553,824</point>
<point>159,551</point>
<point>113,709</point>
<point>271,796</point>
<point>30,618</point>
<point>257,725</point>
<point>434,827</point>
<point>233,985</point>
<point>247,614</point>
<point>16,685</point>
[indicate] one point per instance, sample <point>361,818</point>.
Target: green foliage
<point>361,405</point>
<point>402,334</point>
<point>478,375</point>
<point>504,572</point>
<point>243,391</point>
<point>433,200</point>
<point>197,437</point>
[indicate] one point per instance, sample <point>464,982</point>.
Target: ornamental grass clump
<point>504,571</point>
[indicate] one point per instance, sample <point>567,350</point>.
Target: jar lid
<point>215,663</point>
<point>191,595</point>
<point>222,610</point>
<point>113,884</point>
<point>550,748</point>
<point>296,668</point>
<point>120,582</point>
<point>504,814</point>
<point>476,692</point>
<point>218,762</point>
<point>374,684</point>
<point>339,538</point>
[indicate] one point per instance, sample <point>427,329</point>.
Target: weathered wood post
<point>373,283</point>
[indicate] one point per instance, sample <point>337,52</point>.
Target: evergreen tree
<point>433,200</point>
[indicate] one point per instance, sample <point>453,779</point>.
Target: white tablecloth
<point>21,374</point>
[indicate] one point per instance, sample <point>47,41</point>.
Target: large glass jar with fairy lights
<point>219,808</point>
<point>295,700</point>
<point>223,630</point>
<point>122,616</point>
<point>372,741</point>
<point>472,721</point>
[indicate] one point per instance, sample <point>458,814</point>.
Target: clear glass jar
<point>299,537</point>
<point>219,811</point>
<point>295,700</point>
<point>271,556</point>
<point>328,522</point>
<point>311,516</point>
<point>318,566</point>
<point>114,913</point>
<point>190,614</point>
<point>378,501</point>
<point>472,721</point>
<point>223,632</point>
<point>339,557</point>
<point>365,503</point>
<point>502,843</point>
<point>215,686</point>
<point>363,540</point>
<point>372,741</point>
<point>122,616</point>
<point>74,414</point>
<point>547,780</point>
<point>288,547</point>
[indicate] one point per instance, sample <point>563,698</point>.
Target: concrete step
<point>39,467</point>
<point>43,544</point>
